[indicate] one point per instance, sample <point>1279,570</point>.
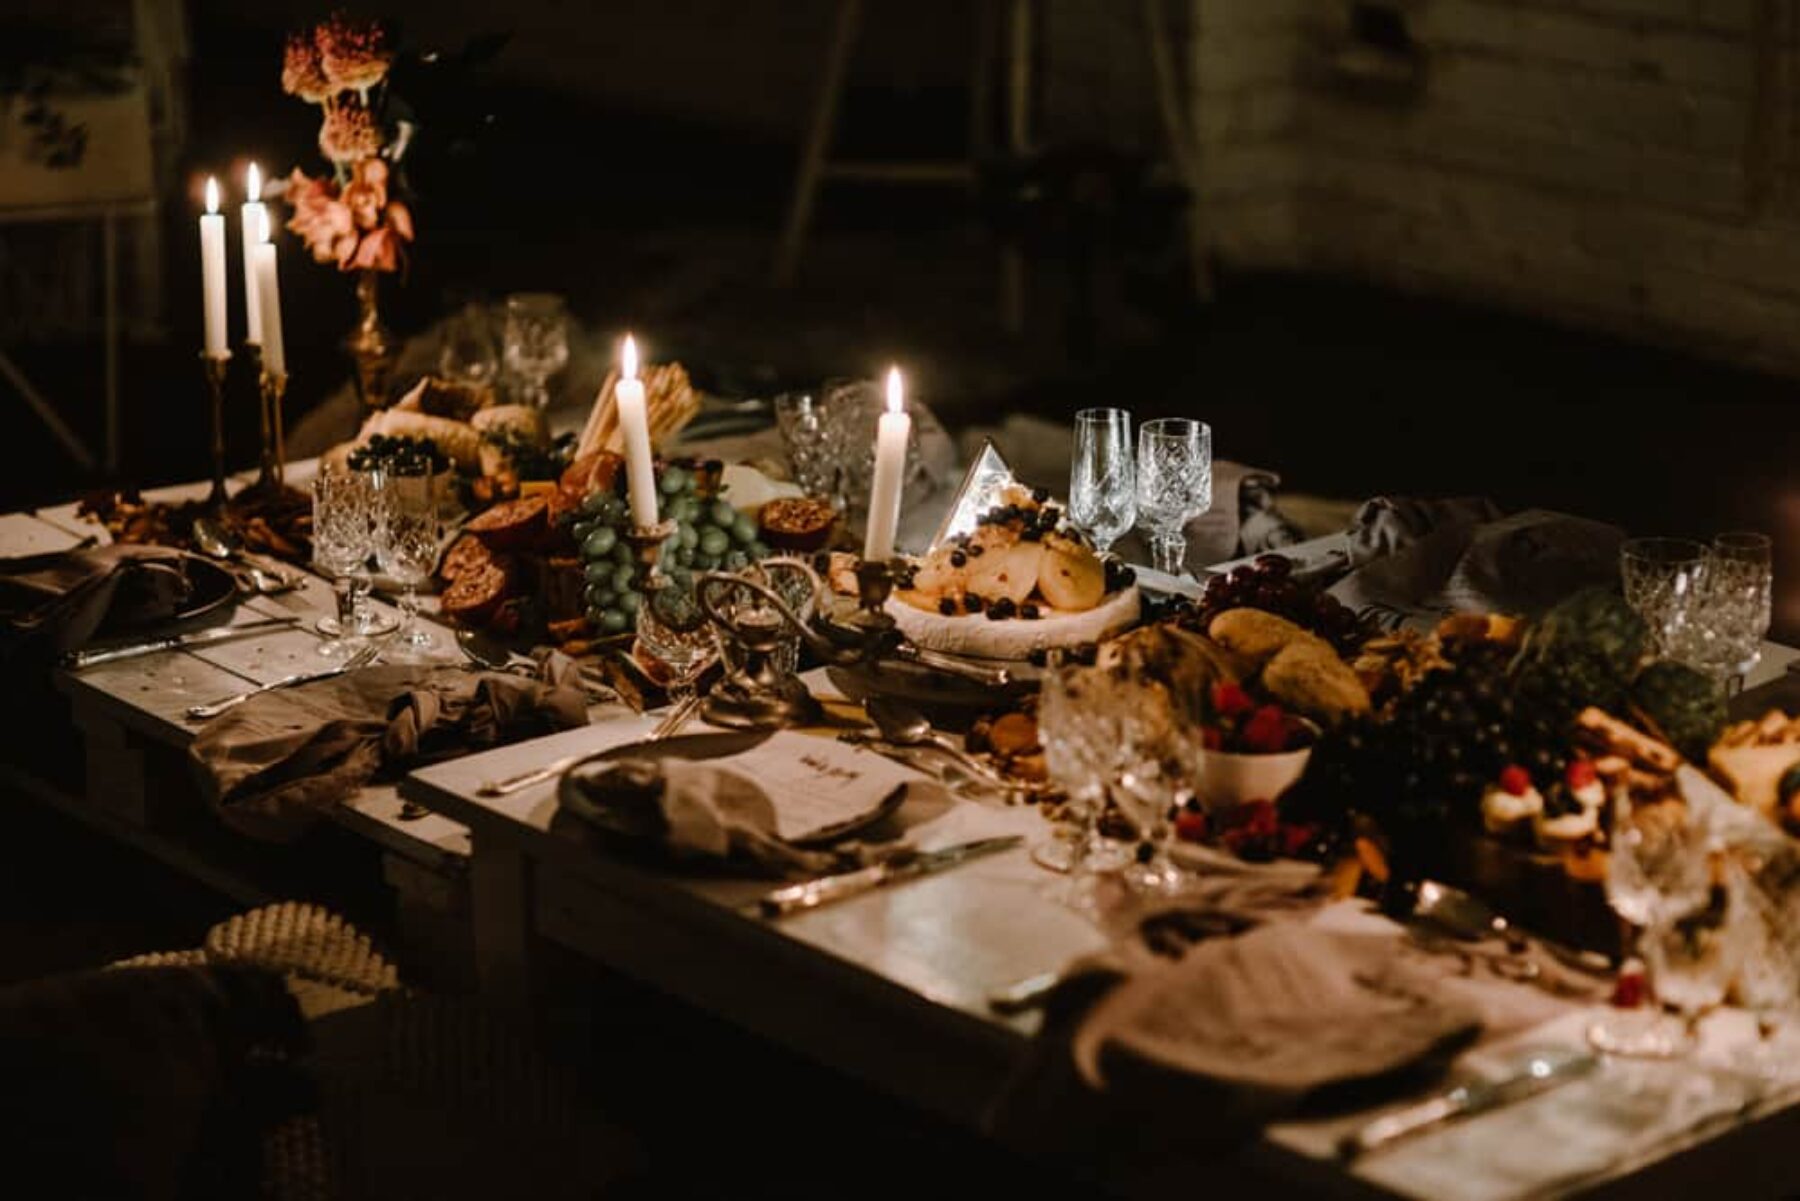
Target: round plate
<point>210,588</point>
<point>639,825</point>
<point>949,701</point>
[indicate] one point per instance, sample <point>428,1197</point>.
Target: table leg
<point>116,781</point>
<point>500,901</point>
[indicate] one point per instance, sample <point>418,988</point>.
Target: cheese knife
<point>1534,1072</point>
<point>798,898</point>
<point>76,660</point>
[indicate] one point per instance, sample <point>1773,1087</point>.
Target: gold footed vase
<point>371,345</point>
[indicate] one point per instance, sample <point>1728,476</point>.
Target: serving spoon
<point>217,540</point>
<point>903,725</point>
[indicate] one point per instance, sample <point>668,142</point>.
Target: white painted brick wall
<point>1589,160</point>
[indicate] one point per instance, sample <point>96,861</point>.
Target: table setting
<point>1405,849</point>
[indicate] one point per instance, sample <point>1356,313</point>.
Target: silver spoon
<point>219,541</point>
<point>900,723</point>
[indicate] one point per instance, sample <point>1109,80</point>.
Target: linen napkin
<point>275,763</point>
<point>1422,559</point>
<point>57,602</point>
<point>759,806</point>
<point>1238,1032</point>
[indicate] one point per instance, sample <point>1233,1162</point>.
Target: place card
<point>818,784</point>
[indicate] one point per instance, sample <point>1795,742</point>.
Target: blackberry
<point>1028,611</point>
<point>958,559</point>
<point>973,602</point>
<point>947,606</point>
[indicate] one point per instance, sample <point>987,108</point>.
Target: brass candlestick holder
<point>274,451</point>
<point>214,367</point>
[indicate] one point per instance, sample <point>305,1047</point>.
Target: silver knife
<point>1535,1072</point>
<point>212,709</point>
<point>798,898</point>
<point>76,660</point>
<point>667,727</point>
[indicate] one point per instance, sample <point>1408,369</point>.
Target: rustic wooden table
<point>893,987</point>
<point>135,785</point>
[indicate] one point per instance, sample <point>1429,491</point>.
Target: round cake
<point>1019,582</point>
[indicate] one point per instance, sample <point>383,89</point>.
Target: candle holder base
<point>273,478</point>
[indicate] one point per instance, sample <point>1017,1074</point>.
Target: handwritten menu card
<point>818,783</point>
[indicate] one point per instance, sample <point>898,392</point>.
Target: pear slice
<point>1010,571</point>
<point>1071,577</point>
<point>936,577</point>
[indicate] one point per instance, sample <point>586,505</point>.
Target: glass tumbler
<point>1103,476</point>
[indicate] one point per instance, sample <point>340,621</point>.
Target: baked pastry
<point>1019,583</point>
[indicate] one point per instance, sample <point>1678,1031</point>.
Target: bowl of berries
<point>1250,750</point>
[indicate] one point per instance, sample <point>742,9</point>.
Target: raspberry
<point>1581,773</point>
<point>1230,700</point>
<point>1515,779</point>
<point>1212,738</point>
<point>1266,731</point>
<point>1190,826</point>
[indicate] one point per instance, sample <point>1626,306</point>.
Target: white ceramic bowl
<point>1229,778</point>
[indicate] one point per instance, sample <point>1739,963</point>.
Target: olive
<point>594,503</point>
<point>704,561</point>
<point>723,514</point>
<point>735,560</point>
<point>743,530</point>
<point>687,536</point>
<point>628,602</point>
<point>624,577</point>
<point>613,621</point>
<point>758,549</point>
<point>714,542</point>
<point>673,481</point>
<point>598,573</point>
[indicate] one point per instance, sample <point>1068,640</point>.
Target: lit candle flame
<point>628,358</point>
<point>896,395</point>
<point>253,183</point>
<point>212,194</point>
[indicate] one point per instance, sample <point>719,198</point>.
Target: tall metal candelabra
<point>274,452</point>
<point>214,367</point>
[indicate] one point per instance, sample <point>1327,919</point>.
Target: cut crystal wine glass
<point>343,540</point>
<point>1102,476</point>
<point>536,344</point>
<point>1174,485</point>
<point>406,541</point>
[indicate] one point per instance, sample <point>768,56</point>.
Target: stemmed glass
<point>406,540</point>
<point>1174,485</point>
<point>801,420</point>
<point>466,350</point>
<point>1659,869</point>
<point>1102,478</point>
<point>1768,976</point>
<point>1664,580</point>
<point>343,540</point>
<point>536,342</point>
<point>1739,588</point>
<point>673,630</point>
<point>1079,732</point>
<point>1692,960</point>
<point>1156,780</point>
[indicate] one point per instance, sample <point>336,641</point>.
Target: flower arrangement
<point>352,219</point>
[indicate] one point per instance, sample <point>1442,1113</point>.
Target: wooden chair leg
<point>818,140</point>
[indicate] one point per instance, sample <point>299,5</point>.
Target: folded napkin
<point>1423,559</point>
<point>1206,1050</point>
<point>273,764</point>
<point>764,806</point>
<point>57,602</point>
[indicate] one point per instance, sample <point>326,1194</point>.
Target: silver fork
<point>672,722</point>
<point>362,658</point>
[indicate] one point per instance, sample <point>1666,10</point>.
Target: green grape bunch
<point>710,535</point>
